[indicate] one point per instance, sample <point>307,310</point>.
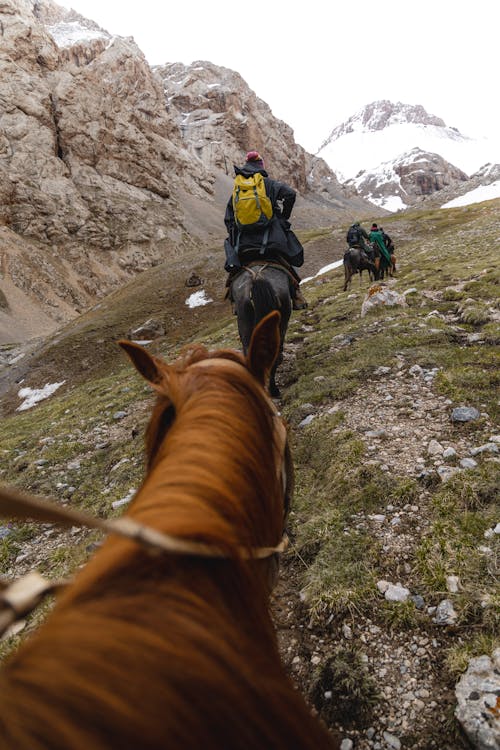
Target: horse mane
<point>155,651</point>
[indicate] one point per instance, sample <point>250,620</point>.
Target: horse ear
<point>143,361</point>
<point>264,347</point>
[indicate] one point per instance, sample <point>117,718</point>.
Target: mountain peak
<point>382,114</point>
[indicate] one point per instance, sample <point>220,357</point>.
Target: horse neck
<point>213,477</point>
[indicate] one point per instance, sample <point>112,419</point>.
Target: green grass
<point>449,257</point>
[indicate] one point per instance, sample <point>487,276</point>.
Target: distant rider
<point>377,240</point>
<point>274,242</point>
<point>356,237</point>
<point>390,246</point>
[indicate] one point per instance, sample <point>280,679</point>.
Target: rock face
<point>107,166</point>
<point>409,177</point>
<point>221,118</point>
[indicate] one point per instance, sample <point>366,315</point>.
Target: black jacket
<point>282,197</point>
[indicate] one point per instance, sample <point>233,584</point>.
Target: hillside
<point>392,494</point>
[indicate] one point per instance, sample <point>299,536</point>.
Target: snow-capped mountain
<point>395,154</point>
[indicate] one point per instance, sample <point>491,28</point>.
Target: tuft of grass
<point>460,653</point>
<point>344,691</point>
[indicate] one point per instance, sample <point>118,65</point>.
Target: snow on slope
<point>366,150</point>
<point>481,193</point>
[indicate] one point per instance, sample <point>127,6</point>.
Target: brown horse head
<point>151,649</point>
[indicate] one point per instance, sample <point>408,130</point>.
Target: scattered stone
<point>449,453</point>
<point>347,632</point>
<point>434,448</point>
<point>392,741</point>
<point>124,500</point>
<point>446,472</point>
<point>376,433</point>
<point>151,329</point>
<point>346,744</point>
<point>393,592</point>
<point>468,463</point>
<point>452,584</point>
<point>486,448</point>
<point>194,280</point>
<point>415,370</point>
<point>119,415</point>
<point>380,295</point>
<point>445,613</point>
<point>418,601</point>
<point>477,694</point>
<point>307,420</point>
<point>464,414</point>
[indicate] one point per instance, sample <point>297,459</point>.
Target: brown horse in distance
<point>148,650</point>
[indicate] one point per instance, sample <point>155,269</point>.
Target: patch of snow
<point>68,33</point>
<point>479,194</point>
<point>198,299</point>
<point>366,150</point>
<point>323,270</point>
<point>32,396</point>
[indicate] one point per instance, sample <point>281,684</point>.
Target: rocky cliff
<point>408,178</point>
<point>112,166</point>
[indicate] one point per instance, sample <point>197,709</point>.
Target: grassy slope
<point>450,258</point>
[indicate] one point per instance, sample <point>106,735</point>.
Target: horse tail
<point>264,299</point>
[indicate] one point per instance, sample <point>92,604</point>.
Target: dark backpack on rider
<point>352,236</point>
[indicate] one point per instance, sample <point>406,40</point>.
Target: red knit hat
<point>374,226</point>
<point>255,157</point>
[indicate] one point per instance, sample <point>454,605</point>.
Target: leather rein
<point>19,598</point>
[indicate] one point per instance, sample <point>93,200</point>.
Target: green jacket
<point>377,237</point>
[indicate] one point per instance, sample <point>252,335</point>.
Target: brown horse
<point>151,650</point>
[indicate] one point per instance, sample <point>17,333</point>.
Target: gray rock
<point>446,472</point>
<point>464,414</point>
<point>434,448</point>
<point>445,613</point>
<point>392,741</point>
<point>346,744</point>
<point>307,420</point>
<point>151,329</point>
<point>468,463</point>
<point>395,592</point>
<point>419,601</point>
<point>476,694</point>
<point>486,448</point>
<point>449,453</point>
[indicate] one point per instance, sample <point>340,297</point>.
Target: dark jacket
<point>277,240</point>
<point>388,242</point>
<point>358,236</point>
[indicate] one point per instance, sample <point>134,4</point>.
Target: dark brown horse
<point>356,261</point>
<point>148,650</point>
<point>259,289</point>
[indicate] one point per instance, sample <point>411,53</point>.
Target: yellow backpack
<point>251,204</point>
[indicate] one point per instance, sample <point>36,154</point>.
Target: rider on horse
<point>270,241</point>
<point>377,239</point>
<point>356,237</point>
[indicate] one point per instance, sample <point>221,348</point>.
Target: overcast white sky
<point>317,63</point>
